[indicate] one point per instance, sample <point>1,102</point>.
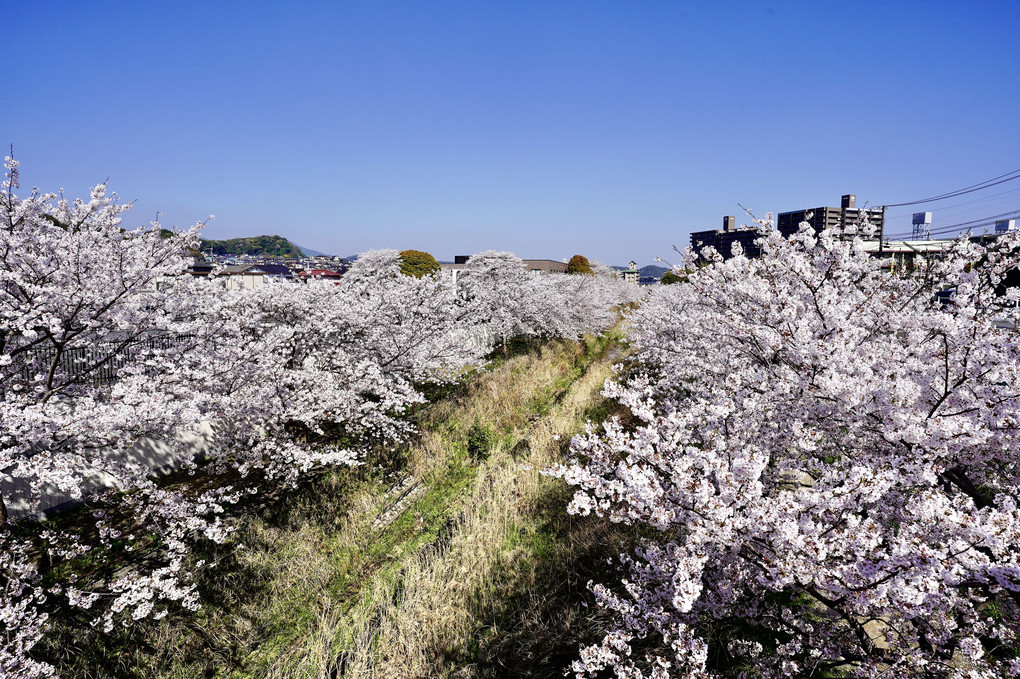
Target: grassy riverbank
<point>451,556</point>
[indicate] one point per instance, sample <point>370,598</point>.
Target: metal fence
<point>99,363</point>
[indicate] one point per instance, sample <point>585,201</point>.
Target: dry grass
<point>448,605</point>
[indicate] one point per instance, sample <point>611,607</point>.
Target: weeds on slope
<point>506,594</point>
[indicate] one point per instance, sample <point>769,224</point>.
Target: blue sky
<point>610,129</point>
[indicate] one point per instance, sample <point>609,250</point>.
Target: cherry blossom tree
<point>497,286</point>
<point>825,460</point>
<point>77,293</point>
<point>593,302</point>
<point>340,356</point>
<point>84,300</point>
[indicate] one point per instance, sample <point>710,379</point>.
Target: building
<point>253,275</point>
<point>202,268</point>
<point>534,266</point>
<point>632,275</point>
<point>325,274</point>
<point>847,215</point>
<point>544,266</point>
<point>723,239</point>
<point>906,255</point>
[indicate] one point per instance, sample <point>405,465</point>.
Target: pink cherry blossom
<point>827,459</point>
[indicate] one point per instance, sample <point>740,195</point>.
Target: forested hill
<point>270,246</point>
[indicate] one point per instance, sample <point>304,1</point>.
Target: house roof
<point>273,269</point>
<point>234,269</point>
<point>256,269</point>
<point>324,273</point>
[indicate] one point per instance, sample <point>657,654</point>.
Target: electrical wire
<point>994,181</point>
<point>942,209</point>
<point>895,214</point>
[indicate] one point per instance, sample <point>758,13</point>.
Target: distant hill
<point>648,275</point>
<point>312,253</point>
<point>267,246</point>
<point>652,271</point>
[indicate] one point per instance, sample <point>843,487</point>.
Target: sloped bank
<point>327,581</point>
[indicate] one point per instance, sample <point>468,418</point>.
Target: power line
<point>994,181</point>
<point>983,199</point>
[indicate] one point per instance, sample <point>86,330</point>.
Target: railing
<point>97,364</point>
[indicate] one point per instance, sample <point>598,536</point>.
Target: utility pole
<point>881,233</point>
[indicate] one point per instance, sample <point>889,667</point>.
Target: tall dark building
<point>787,223</point>
<point>723,239</point>
<point>830,217</point>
